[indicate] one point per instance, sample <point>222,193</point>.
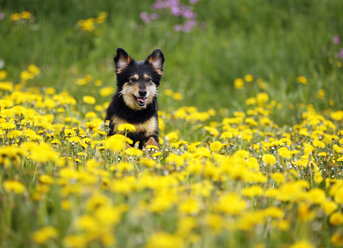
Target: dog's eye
<point>133,80</point>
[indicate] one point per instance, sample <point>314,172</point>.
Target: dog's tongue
<point>142,100</point>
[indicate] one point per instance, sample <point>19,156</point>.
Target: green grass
<point>273,40</point>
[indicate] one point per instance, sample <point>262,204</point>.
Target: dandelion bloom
<point>269,159</point>
<point>164,240</point>
<point>302,244</point>
<point>215,146</point>
<point>126,127</point>
<point>88,99</point>
<point>238,83</point>
<point>43,235</point>
<point>302,80</point>
<point>14,186</point>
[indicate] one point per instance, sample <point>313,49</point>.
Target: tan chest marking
<point>149,126</point>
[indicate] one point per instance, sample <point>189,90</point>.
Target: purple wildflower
<point>193,1</point>
<point>341,53</point>
<point>154,16</point>
<point>145,17</point>
<point>178,28</point>
<point>189,25</point>
<point>336,40</point>
<point>2,16</point>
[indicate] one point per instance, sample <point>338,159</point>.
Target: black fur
<point>125,68</point>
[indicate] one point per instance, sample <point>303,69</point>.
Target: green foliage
<point>272,40</point>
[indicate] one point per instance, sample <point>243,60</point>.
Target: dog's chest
<point>147,127</point>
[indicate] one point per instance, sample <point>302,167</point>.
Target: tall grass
<point>274,41</point>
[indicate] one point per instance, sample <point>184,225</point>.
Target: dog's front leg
<point>151,142</point>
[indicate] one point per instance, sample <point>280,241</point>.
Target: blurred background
<point>219,53</point>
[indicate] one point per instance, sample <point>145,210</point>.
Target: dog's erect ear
<point>122,60</point>
<point>156,59</point>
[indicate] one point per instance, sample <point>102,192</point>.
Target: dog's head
<point>137,82</point>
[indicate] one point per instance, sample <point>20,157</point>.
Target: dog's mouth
<point>141,101</point>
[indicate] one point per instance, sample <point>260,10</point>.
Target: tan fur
<point>149,126</point>
<point>129,91</point>
<point>134,77</point>
<point>146,77</point>
<point>122,64</point>
<point>154,64</point>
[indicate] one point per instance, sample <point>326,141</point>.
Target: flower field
<point>240,181</point>
<point>250,119</point>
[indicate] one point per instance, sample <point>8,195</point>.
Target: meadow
<point>251,125</point>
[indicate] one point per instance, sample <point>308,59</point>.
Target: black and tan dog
<point>135,100</point>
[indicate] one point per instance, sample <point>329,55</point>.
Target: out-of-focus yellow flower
<point>302,244</point>
<point>101,17</point>
<point>302,80</point>
<point>44,234</point>
<point>77,241</point>
<point>14,186</point>
<point>106,91</point>
<point>269,159</point>
<point>168,92</point>
<point>238,83</point>
<point>250,101</point>
<point>189,206</point>
<point>248,78</point>
<point>3,74</point>
<point>337,239</point>
<point>336,219</point>
<point>134,152</point>
<point>26,75</point>
<point>88,99</point>
<point>215,146</point>
<point>262,98</point>
<point>321,94</point>
<point>231,203</point>
<point>15,17</point>
<point>26,15</point>
<point>126,128</point>
<point>164,240</point>
<point>177,96</point>
<point>34,69</point>
<point>87,24</point>
<point>117,142</point>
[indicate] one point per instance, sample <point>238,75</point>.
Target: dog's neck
<point>133,116</point>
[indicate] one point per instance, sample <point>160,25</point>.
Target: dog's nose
<point>142,92</point>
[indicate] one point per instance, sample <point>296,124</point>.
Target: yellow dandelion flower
<point>215,146</point>
<point>164,240</point>
<point>337,239</point>
<point>177,96</point>
<point>14,186</point>
<point>106,91</point>
<point>238,83</point>
<point>33,69</point>
<point>269,159</point>
<point>336,219</point>
<point>89,100</point>
<point>3,74</point>
<point>302,80</point>
<point>44,234</point>
<point>231,203</point>
<point>248,78</point>
<point>134,152</point>
<point>26,75</point>
<point>26,15</point>
<point>262,98</point>
<point>302,244</point>
<point>126,127</point>
<point>15,17</point>
<point>168,92</point>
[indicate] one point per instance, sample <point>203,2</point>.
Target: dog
<point>135,100</point>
